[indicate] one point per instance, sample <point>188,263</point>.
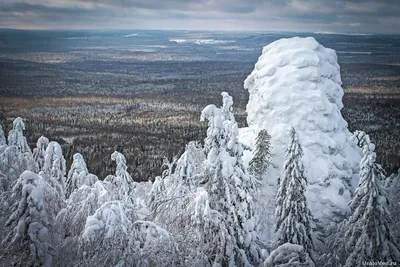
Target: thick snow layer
<point>296,82</point>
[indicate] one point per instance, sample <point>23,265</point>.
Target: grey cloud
<point>328,15</point>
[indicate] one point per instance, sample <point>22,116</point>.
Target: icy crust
<point>296,82</point>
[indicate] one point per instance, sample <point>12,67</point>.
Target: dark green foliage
<point>293,218</point>
<point>262,155</point>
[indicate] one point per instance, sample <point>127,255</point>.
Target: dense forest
<point>202,211</point>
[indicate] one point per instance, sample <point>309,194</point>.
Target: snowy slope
<point>296,82</point>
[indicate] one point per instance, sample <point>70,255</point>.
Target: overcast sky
<point>355,16</point>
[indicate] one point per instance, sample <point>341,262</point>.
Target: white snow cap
<point>296,82</point>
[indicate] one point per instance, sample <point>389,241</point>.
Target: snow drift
<point>296,82</point>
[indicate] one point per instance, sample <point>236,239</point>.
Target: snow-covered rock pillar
<point>296,82</point>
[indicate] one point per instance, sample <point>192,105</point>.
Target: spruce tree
<point>293,218</point>
<point>230,188</point>
<point>39,152</point>
<point>16,157</point>
<point>2,137</point>
<point>54,168</point>
<point>123,184</point>
<point>28,236</point>
<point>367,232</point>
<point>16,136</point>
<point>78,175</point>
<point>262,154</point>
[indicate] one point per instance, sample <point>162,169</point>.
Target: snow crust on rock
<point>296,82</point>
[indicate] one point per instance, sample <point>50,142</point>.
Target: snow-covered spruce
<point>16,157</point>
<point>296,82</point>
<point>229,186</point>
<point>28,234</point>
<point>190,165</point>
<point>211,230</point>
<point>262,154</point>
<point>361,138</point>
<point>122,183</point>
<point>54,168</point>
<point>289,255</point>
<point>180,181</point>
<point>393,187</point>
<point>107,233</point>
<point>83,202</point>
<point>16,136</point>
<point>78,175</point>
<point>293,218</point>
<point>39,153</point>
<point>2,137</point>
<point>157,194</point>
<point>367,233</point>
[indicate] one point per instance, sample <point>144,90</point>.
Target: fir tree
<point>123,182</point>
<point>293,218</point>
<point>230,188</point>
<point>367,230</point>
<point>28,235</point>
<point>16,157</point>
<point>78,175</point>
<point>54,168</point>
<point>262,155</point>
<point>39,152</point>
<point>2,137</point>
<point>16,136</point>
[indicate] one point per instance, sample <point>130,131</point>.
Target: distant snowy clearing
<point>201,41</point>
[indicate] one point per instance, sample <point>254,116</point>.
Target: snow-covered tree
<point>17,156</point>
<point>262,154</point>
<point>170,195</point>
<point>287,255</point>
<point>394,201</point>
<point>39,152</point>
<point>107,234</point>
<point>229,186</point>
<point>122,182</point>
<point>360,138</point>
<point>13,163</point>
<point>16,136</point>
<point>115,236</point>
<point>293,218</point>
<point>54,168</point>
<point>157,193</point>
<point>218,246</point>
<point>28,236</point>
<point>189,166</point>
<point>83,202</point>
<point>2,137</point>
<point>78,175</point>
<point>367,231</point>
